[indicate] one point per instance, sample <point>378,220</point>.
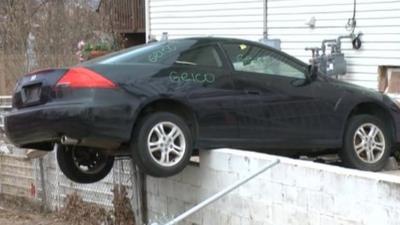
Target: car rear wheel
<point>367,144</point>
<point>83,164</point>
<point>162,144</point>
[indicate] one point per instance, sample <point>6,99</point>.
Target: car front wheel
<point>162,144</point>
<point>83,164</point>
<point>367,143</point>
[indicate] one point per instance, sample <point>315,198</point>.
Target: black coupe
<point>161,101</point>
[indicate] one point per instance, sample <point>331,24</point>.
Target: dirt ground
<point>22,212</point>
<point>19,217</point>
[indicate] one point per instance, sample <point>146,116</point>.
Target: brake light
<point>80,77</point>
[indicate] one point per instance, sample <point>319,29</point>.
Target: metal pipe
<point>43,183</point>
<point>323,47</point>
<point>265,19</point>
<point>147,20</point>
<point>339,42</point>
<point>220,194</point>
<point>69,141</point>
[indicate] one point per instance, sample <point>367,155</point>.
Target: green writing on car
<point>187,76</point>
<point>161,53</point>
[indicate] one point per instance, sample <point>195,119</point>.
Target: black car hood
<point>354,89</point>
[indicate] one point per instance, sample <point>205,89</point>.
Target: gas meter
<point>329,58</point>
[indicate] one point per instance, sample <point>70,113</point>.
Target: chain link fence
<point>41,180</point>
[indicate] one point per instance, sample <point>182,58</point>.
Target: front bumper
<point>103,126</point>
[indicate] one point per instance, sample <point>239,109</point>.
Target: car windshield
<point>165,52</point>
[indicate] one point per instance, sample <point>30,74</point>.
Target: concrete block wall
<point>292,193</point>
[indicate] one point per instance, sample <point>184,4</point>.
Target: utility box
<point>333,64</point>
<point>273,43</point>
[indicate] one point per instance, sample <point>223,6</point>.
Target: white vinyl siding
<point>378,20</point>
<point>188,18</point>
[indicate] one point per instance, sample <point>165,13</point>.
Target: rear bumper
<point>104,126</point>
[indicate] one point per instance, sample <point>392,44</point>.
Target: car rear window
<point>165,52</point>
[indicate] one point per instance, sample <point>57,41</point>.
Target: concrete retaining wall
<point>292,193</point>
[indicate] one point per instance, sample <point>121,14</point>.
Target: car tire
<point>156,149</point>
<point>73,162</point>
<point>367,143</point>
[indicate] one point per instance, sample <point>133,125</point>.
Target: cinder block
<point>322,202</point>
<point>258,210</point>
<point>295,195</point>
<point>283,174</point>
<point>156,203</point>
<point>191,175</point>
<point>328,219</point>
<point>175,207</point>
<point>288,214</point>
<point>152,185</point>
<point>214,160</point>
<point>292,193</point>
<point>217,180</point>
<point>214,217</point>
<point>307,178</point>
<point>272,192</point>
<point>197,217</point>
<point>231,204</point>
<point>233,220</point>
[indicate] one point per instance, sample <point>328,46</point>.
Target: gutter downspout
<point>265,19</point>
<point>147,18</point>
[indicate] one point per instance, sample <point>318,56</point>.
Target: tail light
<point>80,77</point>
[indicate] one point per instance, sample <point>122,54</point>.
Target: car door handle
<point>253,92</point>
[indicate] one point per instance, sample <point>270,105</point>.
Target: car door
<point>209,92</point>
<point>278,106</point>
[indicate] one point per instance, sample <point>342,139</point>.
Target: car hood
<point>357,90</point>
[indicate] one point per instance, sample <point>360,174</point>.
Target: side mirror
<point>313,72</point>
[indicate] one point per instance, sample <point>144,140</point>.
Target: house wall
<point>378,20</point>
<point>294,192</point>
<point>186,18</point>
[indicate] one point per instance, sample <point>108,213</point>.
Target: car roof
<point>217,39</point>
<point>227,39</point>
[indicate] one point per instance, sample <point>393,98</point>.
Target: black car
<point>161,101</point>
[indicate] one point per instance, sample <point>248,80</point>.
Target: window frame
<point>220,52</point>
<point>299,65</point>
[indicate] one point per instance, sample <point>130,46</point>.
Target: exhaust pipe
<point>69,141</point>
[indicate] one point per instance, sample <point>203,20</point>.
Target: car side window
<point>200,56</point>
<point>249,58</point>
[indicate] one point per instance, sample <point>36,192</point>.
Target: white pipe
<point>220,194</point>
<point>265,19</point>
<point>147,18</point>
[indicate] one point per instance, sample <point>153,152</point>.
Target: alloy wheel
<point>369,143</point>
<point>166,144</point>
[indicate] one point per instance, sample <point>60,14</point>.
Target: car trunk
<point>36,88</point>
